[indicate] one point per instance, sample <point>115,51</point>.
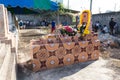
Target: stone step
<point>2,53</point>
<point>14,69</point>
<point>2,35</point>
<point>3,38</point>
<point>11,65</point>
<point>3,50</point>
<point>5,64</point>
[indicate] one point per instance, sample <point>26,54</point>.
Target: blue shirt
<point>53,24</point>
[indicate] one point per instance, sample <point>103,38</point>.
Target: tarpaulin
<point>36,4</point>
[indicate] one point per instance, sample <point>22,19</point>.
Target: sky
<point>98,6</point>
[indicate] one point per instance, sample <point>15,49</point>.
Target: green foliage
<point>73,19</point>
<point>61,8</point>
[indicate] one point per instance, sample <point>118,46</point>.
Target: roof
<point>72,11</point>
<point>36,4</point>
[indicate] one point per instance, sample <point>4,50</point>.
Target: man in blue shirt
<point>53,26</point>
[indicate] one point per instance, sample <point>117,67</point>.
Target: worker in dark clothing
<point>112,24</point>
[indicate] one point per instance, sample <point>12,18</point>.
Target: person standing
<point>97,26</point>
<point>77,20</point>
<point>53,26</point>
<point>21,24</point>
<point>112,24</point>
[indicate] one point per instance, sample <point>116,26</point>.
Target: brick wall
<point>61,51</point>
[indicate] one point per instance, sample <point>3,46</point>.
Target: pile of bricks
<point>56,52</point>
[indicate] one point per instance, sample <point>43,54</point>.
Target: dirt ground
<point>106,68</point>
<point>25,36</point>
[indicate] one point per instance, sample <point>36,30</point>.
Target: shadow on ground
<point>51,74</point>
<point>33,35</point>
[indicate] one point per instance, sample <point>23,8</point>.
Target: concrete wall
<point>8,48</point>
<point>2,19</point>
<point>105,18</point>
<point>7,61</point>
<point>36,18</point>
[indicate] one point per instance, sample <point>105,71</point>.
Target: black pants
<point>96,29</point>
<point>111,30</point>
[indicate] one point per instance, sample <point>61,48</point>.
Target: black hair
<point>112,18</point>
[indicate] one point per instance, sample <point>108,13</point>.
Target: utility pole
<point>68,4</point>
<point>91,5</point>
<point>58,20</point>
<point>68,12</point>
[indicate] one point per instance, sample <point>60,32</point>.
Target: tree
<point>61,8</point>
